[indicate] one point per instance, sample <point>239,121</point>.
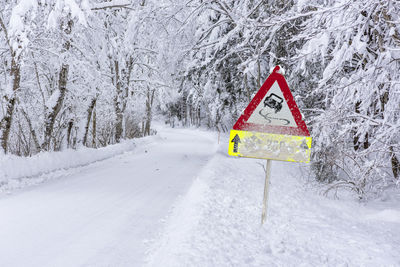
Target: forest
<point>91,73</point>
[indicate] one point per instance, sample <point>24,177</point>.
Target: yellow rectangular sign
<point>270,146</point>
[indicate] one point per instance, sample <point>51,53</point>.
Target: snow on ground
<point>176,199</point>
<point>218,223</point>
<point>19,172</point>
<point>101,214</point>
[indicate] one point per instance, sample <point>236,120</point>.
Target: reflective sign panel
<point>270,146</point>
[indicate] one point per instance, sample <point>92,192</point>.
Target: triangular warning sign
<point>273,110</point>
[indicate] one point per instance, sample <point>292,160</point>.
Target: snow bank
<point>16,171</point>
<point>182,220</point>
<point>387,215</point>
<point>218,223</point>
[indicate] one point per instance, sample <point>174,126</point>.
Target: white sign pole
<point>266,189</point>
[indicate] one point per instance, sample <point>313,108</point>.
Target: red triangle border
<point>242,124</point>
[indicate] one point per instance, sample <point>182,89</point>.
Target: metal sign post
<point>266,190</point>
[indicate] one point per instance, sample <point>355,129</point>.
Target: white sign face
<point>273,110</point>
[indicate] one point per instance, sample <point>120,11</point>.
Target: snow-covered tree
<point>351,57</point>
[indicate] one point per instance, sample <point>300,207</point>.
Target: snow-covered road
<point>177,199</point>
<point>104,213</point>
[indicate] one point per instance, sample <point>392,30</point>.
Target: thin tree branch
<point>113,6</point>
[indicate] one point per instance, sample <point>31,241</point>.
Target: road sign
<point>271,127</point>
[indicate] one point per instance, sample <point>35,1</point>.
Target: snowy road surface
<point>102,214</point>
<point>178,199</point>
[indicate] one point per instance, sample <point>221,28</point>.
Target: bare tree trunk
<point>184,109</point>
<point>117,103</point>
<point>356,138</point>
<point>259,73</point>
<point>198,116</point>
<point>127,80</point>
<point>149,105</point>
<point>69,130</point>
<point>246,87</point>
<point>62,88</point>
<point>32,131</point>
<point>395,164</point>
<point>52,115</point>
<point>7,119</point>
<point>89,116</point>
<point>94,144</point>
<point>6,122</point>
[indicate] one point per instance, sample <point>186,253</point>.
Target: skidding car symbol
<point>273,101</point>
